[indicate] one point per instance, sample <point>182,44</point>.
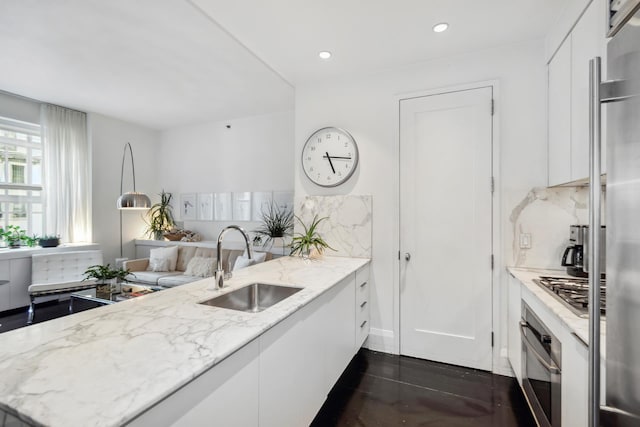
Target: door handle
<point>407,256</point>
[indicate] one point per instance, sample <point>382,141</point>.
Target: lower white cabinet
<point>363,306</point>
<point>282,378</point>
<point>17,273</point>
<point>514,348</point>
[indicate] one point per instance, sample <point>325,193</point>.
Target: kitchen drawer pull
<point>363,284</point>
<point>551,368</point>
<point>362,324</point>
<point>363,304</point>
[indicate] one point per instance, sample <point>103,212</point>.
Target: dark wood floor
<point>379,389</point>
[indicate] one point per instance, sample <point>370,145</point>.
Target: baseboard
<point>501,365</point>
<point>381,340</point>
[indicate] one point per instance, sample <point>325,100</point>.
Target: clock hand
<point>330,162</point>
<point>338,157</point>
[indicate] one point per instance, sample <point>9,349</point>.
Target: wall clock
<point>330,156</point>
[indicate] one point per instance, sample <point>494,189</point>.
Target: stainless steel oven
<point>541,369</point>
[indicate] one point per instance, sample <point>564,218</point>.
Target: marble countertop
<point>576,324</point>
<point>104,366</point>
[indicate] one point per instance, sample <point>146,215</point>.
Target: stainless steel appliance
<point>621,94</point>
<point>541,369</point>
<point>573,292</point>
<point>575,256</point>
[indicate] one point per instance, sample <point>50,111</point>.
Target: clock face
<point>329,156</point>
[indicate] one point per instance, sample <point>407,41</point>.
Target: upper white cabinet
<point>569,96</point>
<point>560,115</point>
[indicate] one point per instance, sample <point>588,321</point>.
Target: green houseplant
<point>160,217</point>
<point>276,223</point>
<point>15,236</point>
<point>303,243</point>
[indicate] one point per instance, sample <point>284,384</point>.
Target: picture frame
<point>205,207</point>
<point>188,206</point>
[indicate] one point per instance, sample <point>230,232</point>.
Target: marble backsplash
<point>348,227</point>
<point>546,214</point>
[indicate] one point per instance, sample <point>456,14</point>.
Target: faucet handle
<point>228,275</point>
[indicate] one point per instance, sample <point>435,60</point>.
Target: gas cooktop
<point>573,292</point>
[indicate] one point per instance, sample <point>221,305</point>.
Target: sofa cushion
<point>200,267</point>
<point>206,252</point>
<point>158,254</point>
<point>177,280</point>
<point>185,253</point>
<point>150,277</point>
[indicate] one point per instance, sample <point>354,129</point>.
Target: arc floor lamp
<point>131,200</point>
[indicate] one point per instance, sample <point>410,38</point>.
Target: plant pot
<point>49,243</point>
<point>158,235</point>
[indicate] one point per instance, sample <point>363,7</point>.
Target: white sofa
<point>140,273</point>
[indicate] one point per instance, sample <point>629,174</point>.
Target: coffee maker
<point>576,256</point>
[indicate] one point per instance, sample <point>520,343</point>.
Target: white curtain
<point>66,173</point>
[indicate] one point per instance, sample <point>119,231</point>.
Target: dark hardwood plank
<point>378,389</point>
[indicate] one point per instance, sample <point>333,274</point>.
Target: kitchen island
<point>112,365</point>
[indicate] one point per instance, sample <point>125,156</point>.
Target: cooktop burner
<point>573,292</point>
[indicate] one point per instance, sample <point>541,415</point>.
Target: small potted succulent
<point>304,244</point>
<point>49,241</point>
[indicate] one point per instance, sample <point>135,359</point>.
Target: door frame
<point>497,232</point>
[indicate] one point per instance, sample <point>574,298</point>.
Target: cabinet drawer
<point>362,331</point>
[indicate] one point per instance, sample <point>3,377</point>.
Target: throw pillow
<point>200,267</point>
<point>257,257</point>
<point>157,255</point>
<point>242,262</point>
<point>158,264</point>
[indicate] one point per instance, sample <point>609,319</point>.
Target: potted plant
<point>15,236</point>
<point>304,243</point>
<point>276,223</point>
<point>49,241</point>
<point>105,275</point>
<point>160,217</point>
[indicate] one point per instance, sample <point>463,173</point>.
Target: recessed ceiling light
<point>325,54</point>
<point>442,26</point>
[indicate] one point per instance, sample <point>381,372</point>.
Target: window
<point>21,176</point>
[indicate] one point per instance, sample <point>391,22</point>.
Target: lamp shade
<point>133,200</point>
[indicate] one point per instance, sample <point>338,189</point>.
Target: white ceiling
<point>157,63</point>
<point>366,35</point>
<point>168,63</point>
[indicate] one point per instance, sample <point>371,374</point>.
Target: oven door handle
<point>549,367</point>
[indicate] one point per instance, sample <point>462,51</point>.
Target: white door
<point>446,227</point>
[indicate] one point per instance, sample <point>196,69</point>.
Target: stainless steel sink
<point>252,298</point>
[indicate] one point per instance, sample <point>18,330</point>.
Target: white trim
<point>498,365</point>
<point>382,340</point>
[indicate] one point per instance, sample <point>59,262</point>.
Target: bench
<point>60,273</point>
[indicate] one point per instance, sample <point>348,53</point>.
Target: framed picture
<point>205,206</point>
<point>188,207</point>
<point>260,202</point>
<point>222,207</point>
<point>242,206</point>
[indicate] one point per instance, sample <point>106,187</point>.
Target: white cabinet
<point>514,346</point>
<point>302,357</point>
<point>568,74</point>
<point>224,396</point>
<point>560,115</point>
<point>363,306</point>
<point>575,381</point>
<point>17,274</point>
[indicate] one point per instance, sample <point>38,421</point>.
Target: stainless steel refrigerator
<point>619,97</point>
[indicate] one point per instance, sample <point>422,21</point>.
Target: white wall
<point>366,105</point>
<point>254,154</point>
<point>108,137</point>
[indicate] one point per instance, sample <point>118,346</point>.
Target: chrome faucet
<point>220,275</point>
